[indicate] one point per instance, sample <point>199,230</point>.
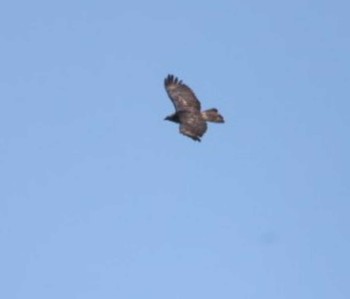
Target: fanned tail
<point>213,115</point>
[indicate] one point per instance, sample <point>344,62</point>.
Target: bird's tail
<point>213,115</point>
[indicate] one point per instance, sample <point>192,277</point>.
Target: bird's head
<point>173,117</point>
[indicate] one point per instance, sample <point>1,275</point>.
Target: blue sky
<point>101,198</point>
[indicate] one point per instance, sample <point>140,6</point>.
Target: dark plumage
<point>193,121</point>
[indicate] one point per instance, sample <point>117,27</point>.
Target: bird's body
<point>193,121</point>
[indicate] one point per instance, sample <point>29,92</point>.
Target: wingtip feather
<point>171,79</point>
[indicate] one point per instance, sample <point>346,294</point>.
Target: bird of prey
<point>193,121</point>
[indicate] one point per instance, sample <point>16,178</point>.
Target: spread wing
<point>181,95</point>
<point>192,124</point>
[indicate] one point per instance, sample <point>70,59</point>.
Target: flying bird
<point>193,121</point>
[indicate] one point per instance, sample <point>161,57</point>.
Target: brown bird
<point>193,121</point>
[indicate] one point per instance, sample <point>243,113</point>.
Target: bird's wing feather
<point>192,124</point>
<point>180,94</point>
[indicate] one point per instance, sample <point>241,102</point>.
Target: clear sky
<point>102,198</point>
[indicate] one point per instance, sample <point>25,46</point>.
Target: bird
<point>192,121</point>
